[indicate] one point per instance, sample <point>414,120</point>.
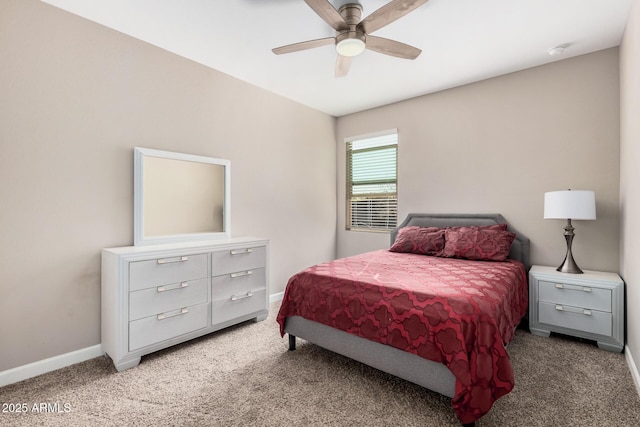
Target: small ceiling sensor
<point>558,50</point>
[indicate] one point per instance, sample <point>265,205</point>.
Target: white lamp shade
<point>570,204</point>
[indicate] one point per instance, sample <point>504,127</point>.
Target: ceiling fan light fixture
<point>350,47</point>
<point>352,32</point>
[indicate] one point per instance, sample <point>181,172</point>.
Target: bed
<point>432,309</point>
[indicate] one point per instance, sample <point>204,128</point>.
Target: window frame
<point>392,219</point>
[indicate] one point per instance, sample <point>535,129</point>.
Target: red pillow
<point>502,227</point>
<point>419,240</point>
<point>490,243</point>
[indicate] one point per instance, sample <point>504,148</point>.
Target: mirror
<point>180,197</point>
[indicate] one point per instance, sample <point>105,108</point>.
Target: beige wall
<point>630,176</point>
<point>75,98</point>
<point>498,145</point>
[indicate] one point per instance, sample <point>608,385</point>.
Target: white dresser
<point>160,295</point>
<point>589,305</point>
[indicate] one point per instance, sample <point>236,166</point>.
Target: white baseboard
<point>276,297</point>
<point>40,367</point>
<point>633,368</point>
<point>34,369</point>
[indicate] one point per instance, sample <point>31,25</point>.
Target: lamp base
<point>569,265</point>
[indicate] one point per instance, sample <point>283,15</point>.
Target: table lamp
<point>569,204</point>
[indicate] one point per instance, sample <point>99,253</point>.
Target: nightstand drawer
<point>575,295</point>
<point>591,321</point>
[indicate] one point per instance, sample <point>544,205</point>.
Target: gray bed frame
<point>426,373</point>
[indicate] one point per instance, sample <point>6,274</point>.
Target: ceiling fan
<point>353,34</point>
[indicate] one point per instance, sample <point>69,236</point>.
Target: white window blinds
<point>372,174</point>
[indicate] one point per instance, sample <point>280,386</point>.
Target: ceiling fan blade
<point>392,47</point>
<point>328,13</point>
<point>343,63</point>
<point>388,13</point>
<point>310,44</point>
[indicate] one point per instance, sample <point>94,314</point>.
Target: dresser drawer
<point>237,294</point>
<point>166,325</point>
<point>583,296</point>
<point>230,261</point>
<point>151,301</point>
<point>238,283</point>
<point>163,271</point>
<point>591,321</point>
<point>238,305</point>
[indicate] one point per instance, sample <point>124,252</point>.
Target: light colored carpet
<point>244,376</point>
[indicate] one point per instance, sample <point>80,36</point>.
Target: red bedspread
<point>457,312</point>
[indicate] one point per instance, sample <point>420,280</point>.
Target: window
<point>372,174</point>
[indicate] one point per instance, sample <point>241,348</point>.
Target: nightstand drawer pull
<point>572,287</point>
<point>585,311</point>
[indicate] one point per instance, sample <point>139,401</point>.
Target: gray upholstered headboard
<point>519,247</point>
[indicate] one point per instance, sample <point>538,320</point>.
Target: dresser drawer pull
<point>180,286</point>
<point>180,313</point>
<point>241,251</point>
<point>559,286</point>
<point>586,312</point>
<point>241,274</point>
<point>172,260</point>
<point>559,307</point>
<point>236,298</point>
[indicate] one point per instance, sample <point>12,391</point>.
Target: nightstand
<point>588,305</point>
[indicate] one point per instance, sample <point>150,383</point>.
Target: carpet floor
<point>244,376</point>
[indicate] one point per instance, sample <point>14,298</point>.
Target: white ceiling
<point>462,41</point>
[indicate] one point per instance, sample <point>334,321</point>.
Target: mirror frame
<point>139,238</point>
